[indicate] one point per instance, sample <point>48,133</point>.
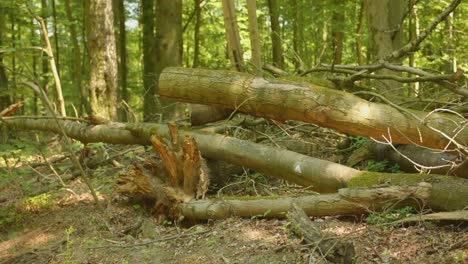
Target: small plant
<point>262,216</point>
<point>389,217</point>
<point>68,254</point>
<point>37,203</point>
<point>377,166</point>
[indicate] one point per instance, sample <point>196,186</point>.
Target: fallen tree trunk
<point>345,202</point>
<point>313,104</point>
<point>449,193</point>
<point>411,158</point>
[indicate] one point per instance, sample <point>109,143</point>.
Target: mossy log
<point>310,103</point>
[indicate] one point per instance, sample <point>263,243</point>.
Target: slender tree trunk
<point>45,62</point>
<point>56,38</point>
<point>232,35</point>
<point>122,48</point>
<point>338,30</point>
<point>150,103</point>
<point>34,65</point>
<point>77,63</point>
<point>4,99</point>
<point>254,37</point>
<point>196,32</point>
<point>360,25</point>
<point>278,59</point>
<point>102,59</point>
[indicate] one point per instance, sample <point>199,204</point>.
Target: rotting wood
<point>333,249</point>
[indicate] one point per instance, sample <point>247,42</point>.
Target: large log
<point>449,193</point>
<point>313,104</point>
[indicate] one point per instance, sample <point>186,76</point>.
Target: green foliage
<point>391,216</point>
<point>262,216</point>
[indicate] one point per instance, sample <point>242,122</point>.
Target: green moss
<point>369,178</point>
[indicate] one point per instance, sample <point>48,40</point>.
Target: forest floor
<point>43,222</point>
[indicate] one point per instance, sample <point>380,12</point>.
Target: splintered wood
<point>180,176</point>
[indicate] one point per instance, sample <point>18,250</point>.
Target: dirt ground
<point>63,225</point>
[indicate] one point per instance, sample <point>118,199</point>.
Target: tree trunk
<point>5,98</point>
<point>362,11</point>
<point>278,59</point>
<point>325,107</point>
<point>45,64</point>
<point>168,49</point>
<point>102,59</point>
<point>232,35</point>
<point>150,102</point>
<point>384,22</point>
<point>122,52</point>
<point>56,38</point>
<point>254,37</point>
<point>448,193</point>
<point>338,22</point>
<point>196,32</point>
<point>77,66</point>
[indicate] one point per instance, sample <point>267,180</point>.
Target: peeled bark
<point>325,107</point>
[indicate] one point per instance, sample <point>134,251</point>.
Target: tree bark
<point>122,48</point>
<point>4,99</point>
<point>196,32</point>
<point>448,193</point>
<point>278,59</point>
<point>150,102</point>
<point>254,37</point>
<point>362,12</point>
<point>313,104</point>
<point>168,49</point>
<point>232,35</point>
<point>385,28</point>
<point>338,21</point>
<point>102,59</point>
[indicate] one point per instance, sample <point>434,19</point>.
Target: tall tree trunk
<point>56,38</point>
<point>297,34</point>
<point>338,30</point>
<point>384,22</point>
<point>77,64</point>
<point>254,37</point>
<point>122,51</point>
<point>232,35</point>
<point>278,59</point>
<point>168,48</point>
<point>196,32</point>
<point>34,65</point>
<point>362,11</point>
<point>102,58</point>
<point>150,103</point>
<point>4,99</point>
<point>45,63</point>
